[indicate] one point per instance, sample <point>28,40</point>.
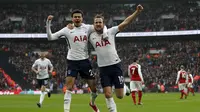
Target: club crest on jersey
<point>102,43</point>
<point>80,38</point>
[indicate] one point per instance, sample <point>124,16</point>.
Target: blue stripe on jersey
<point>66,41</point>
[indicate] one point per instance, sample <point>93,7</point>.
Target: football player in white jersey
<point>77,58</point>
<point>108,59</point>
<point>41,68</point>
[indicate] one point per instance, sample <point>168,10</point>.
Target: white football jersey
<point>42,67</point>
<point>105,49</point>
<point>77,40</point>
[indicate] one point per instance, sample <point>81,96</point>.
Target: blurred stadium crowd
<point>160,59</point>
<point>157,16</point>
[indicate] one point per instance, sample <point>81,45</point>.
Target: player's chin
<point>99,29</point>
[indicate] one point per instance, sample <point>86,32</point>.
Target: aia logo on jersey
<point>102,43</point>
<point>80,39</point>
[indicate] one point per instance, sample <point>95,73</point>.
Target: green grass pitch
<point>152,102</point>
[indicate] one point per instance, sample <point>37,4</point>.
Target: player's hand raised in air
<point>139,8</point>
<point>50,17</point>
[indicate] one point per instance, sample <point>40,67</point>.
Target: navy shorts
<point>112,75</point>
<point>83,67</point>
<point>43,82</point>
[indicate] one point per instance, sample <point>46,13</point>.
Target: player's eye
<point>77,16</point>
<point>98,22</point>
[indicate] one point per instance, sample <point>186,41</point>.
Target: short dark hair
<point>135,59</point>
<point>99,16</point>
<point>76,11</point>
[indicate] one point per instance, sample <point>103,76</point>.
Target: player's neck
<point>77,25</point>
<point>42,58</point>
<point>134,63</point>
<point>99,32</point>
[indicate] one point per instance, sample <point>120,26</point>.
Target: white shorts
<point>136,86</point>
<point>190,85</point>
<point>182,86</point>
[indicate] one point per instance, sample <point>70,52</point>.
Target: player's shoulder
<point>113,28</point>
<point>66,29</point>
<point>37,60</point>
<point>85,26</point>
<point>46,59</point>
<point>133,65</point>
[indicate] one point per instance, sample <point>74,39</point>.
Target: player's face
<point>98,24</point>
<point>77,19</point>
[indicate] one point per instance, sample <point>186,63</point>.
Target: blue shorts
<point>112,75</point>
<point>83,67</point>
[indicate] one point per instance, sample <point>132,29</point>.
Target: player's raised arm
<point>178,76</point>
<point>130,18</point>
<point>56,35</point>
<point>140,73</point>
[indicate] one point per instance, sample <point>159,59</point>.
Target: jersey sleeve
<point>56,35</point>
<point>114,30</point>
<point>178,76</point>
<point>129,74</point>
<point>50,64</point>
<point>35,64</point>
<point>90,28</point>
<point>187,78</point>
<point>140,73</point>
<point>192,78</point>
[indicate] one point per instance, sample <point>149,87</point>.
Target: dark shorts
<point>43,82</point>
<point>83,67</point>
<point>112,75</point>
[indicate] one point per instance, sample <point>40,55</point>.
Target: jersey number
<point>133,70</point>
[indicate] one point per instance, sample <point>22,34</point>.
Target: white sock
<point>111,105</point>
<point>42,95</point>
<point>67,100</point>
<point>93,97</point>
<point>51,87</point>
<point>126,89</point>
<point>47,90</point>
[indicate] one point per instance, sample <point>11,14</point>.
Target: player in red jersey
<point>134,71</point>
<point>182,80</point>
<point>190,83</point>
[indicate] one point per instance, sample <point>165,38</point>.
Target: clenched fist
<point>50,17</point>
<point>139,8</point>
